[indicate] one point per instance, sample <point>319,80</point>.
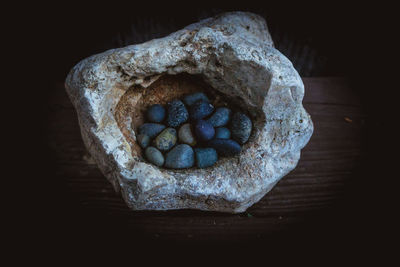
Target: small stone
<point>225,147</point>
<point>143,140</point>
<point>185,135</point>
<point>241,127</point>
<point>151,129</point>
<point>154,156</point>
<point>180,157</point>
<point>205,157</point>
<point>166,139</point>
<point>177,113</point>
<point>204,130</point>
<point>193,98</point>
<point>220,117</point>
<point>222,133</point>
<point>200,110</point>
<point>155,113</point>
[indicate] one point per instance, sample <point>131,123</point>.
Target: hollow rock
<point>234,55</point>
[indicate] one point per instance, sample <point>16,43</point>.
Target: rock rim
<point>234,54</point>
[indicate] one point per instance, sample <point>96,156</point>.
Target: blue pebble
<point>180,157</point>
<point>177,113</point>
<point>222,133</point>
<point>204,130</point>
<point>241,126</point>
<point>205,157</point>
<point>225,147</point>
<point>220,117</point>
<point>193,98</point>
<point>154,156</point>
<point>200,110</point>
<point>151,129</point>
<point>156,113</point>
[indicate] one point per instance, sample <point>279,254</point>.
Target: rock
<point>222,133</point>
<point>241,127</point>
<point>155,113</point>
<point>204,130</point>
<point>185,135</point>
<point>151,129</point>
<point>143,140</point>
<point>200,110</point>
<point>166,139</point>
<point>235,55</point>
<point>220,117</point>
<point>193,98</point>
<point>225,147</point>
<point>205,157</point>
<point>177,113</point>
<point>180,157</point>
<point>154,156</point>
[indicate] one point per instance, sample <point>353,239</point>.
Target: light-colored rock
<point>234,53</point>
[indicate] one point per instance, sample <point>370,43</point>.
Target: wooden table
<point>315,190</point>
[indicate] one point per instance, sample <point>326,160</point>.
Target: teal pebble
<point>205,157</point>
<point>143,140</point>
<point>154,156</point>
<point>222,133</point>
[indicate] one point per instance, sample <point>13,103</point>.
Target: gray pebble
<point>154,156</point>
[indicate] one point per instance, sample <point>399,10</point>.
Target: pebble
<point>185,135</point>
<point>200,110</point>
<point>180,157</point>
<point>205,157</point>
<point>222,133</point>
<point>154,156</point>
<point>155,113</point>
<point>241,127</point>
<point>204,130</point>
<point>151,129</point>
<point>193,98</point>
<point>220,117</point>
<point>166,139</point>
<point>225,147</point>
<point>143,140</point>
<point>177,113</point>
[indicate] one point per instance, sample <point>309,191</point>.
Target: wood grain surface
<point>320,181</point>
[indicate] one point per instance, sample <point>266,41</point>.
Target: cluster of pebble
<point>201,137</point>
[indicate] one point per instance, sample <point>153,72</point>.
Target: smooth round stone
<point>222,133</point>
<point>151,129</point>
<point>200,110</point>
<point>241,127</point>
<point>154,156</point>
<point>220,117</point>
<point>225,147</point>
<point>193,98</point>
<point>180,157</point>
<point>205,157</point>
<point>185,135</point>
<point>166,139</point>
<point>204,130</point>
<point>177,113</point>
<point>155,113</point>
<point>143,140</point>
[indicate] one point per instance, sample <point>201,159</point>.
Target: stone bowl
<point>230,57</point>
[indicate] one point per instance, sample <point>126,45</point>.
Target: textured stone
<point>180,157</point>
<point>177,113</point>
<point>241,126</point>
<point>166,139</point>
<point>235,55</point>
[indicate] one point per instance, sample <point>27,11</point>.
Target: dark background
<point>329,39</point>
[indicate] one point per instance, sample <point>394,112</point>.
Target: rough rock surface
<point>235,55</point>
